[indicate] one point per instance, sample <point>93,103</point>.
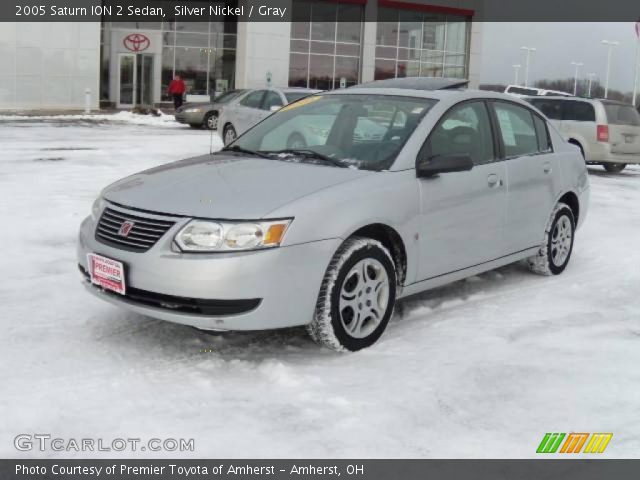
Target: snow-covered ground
<point>481,368</point>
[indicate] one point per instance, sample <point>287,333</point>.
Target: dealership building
<point>327,44</point>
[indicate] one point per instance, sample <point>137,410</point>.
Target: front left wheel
<point>356,298</point>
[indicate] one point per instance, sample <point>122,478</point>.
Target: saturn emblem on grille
<point>125,228</point>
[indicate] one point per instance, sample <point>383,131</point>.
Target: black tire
<point>211,121</point>
<point>195,125</point>
<point>614,167</point>
<point>550,260</point>
<point>296,140</point>
<point>229,132</point>
<point>328,326</point>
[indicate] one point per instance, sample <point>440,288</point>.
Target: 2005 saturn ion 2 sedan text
<point>389,191</point>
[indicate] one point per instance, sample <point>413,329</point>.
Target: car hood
<point>225,186</point>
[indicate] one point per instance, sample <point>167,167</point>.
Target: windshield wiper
<point>311,154</point>
<point>239,149</point>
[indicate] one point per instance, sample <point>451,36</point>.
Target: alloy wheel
<point>364,298</point>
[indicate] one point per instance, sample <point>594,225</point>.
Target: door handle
<point>547,167</point>
<point>493,181</point>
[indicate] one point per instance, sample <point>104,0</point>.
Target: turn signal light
<point>274,234</point>
<point>603,133</point>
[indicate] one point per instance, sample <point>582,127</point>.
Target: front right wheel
<point>356,298</point>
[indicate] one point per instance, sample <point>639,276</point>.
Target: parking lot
<point>481,368</point>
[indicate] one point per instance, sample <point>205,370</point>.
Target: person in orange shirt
<point>176,90</point>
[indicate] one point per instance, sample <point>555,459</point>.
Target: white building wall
<point>49,65</point>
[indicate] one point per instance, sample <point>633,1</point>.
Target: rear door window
<point>542,132</point>
<point>578,111</point>
<point>517,129</point>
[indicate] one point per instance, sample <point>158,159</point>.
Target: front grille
<point>143,235</point>
<point>198,306</point>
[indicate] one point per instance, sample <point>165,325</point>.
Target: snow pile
<point>163,119</point>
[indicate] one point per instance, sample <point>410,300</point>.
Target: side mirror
<point>455,162</point>
<point>274,108</point>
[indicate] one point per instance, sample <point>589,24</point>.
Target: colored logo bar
<point>574,442</point>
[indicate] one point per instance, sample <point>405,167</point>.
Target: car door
<point>247,111</point>
<point>531,174</point>
<point>462,213</point>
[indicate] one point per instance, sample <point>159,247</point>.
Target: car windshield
<point>620,114</point>
<point>228,96</point>
<point>357,130</point>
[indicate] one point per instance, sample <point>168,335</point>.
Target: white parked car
<point>606,132</point>
<point>255,106</point>
<point>400,190</point>
<point>519,91</point>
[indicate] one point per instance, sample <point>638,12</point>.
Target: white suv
<point>606,132</point>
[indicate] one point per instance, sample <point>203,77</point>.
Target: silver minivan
<point>396,191</point>
<point>606,132</point>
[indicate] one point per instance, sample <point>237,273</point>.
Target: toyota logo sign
<point>136,42</point>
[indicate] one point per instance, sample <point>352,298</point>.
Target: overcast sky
<point>558,44</point>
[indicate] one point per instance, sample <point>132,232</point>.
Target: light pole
<point>516,69</point>
<point>635,65</point>
<point>575,76</point>
<point>610,44</point>
<point>526,64</point>
<point>590,76</point>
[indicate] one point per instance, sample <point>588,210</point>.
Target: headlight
<point>96,208</point>
<point>192,110</point>
<point>209,236</point>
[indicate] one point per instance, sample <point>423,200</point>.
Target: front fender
<point>387,198</point>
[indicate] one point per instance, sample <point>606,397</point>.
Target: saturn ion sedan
<point>396,191</point>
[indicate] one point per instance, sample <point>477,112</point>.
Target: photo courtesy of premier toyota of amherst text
<point>318,238</point>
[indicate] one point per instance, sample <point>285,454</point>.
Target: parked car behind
<point>197,115</point>
<point>254,107</point>
<point>606,132</point>
<point>448,184</point>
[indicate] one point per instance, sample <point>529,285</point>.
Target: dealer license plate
<point>107,273</point>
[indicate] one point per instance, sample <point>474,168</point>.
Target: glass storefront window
<point>192,64</point>
<point>426,44</point>
<point>324,51</point>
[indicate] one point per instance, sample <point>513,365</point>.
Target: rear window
<point>618,114</point>
<point>522,91</point>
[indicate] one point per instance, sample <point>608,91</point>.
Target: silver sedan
<point>397,190</point>
<point>255,107</point>
<point>197,115</point>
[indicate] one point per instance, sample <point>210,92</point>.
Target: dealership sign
<point>136,42</point>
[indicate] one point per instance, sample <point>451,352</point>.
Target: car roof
<point>453,95</point>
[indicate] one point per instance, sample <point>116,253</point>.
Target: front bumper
<point>192,118</point>
<point>272,288</point>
